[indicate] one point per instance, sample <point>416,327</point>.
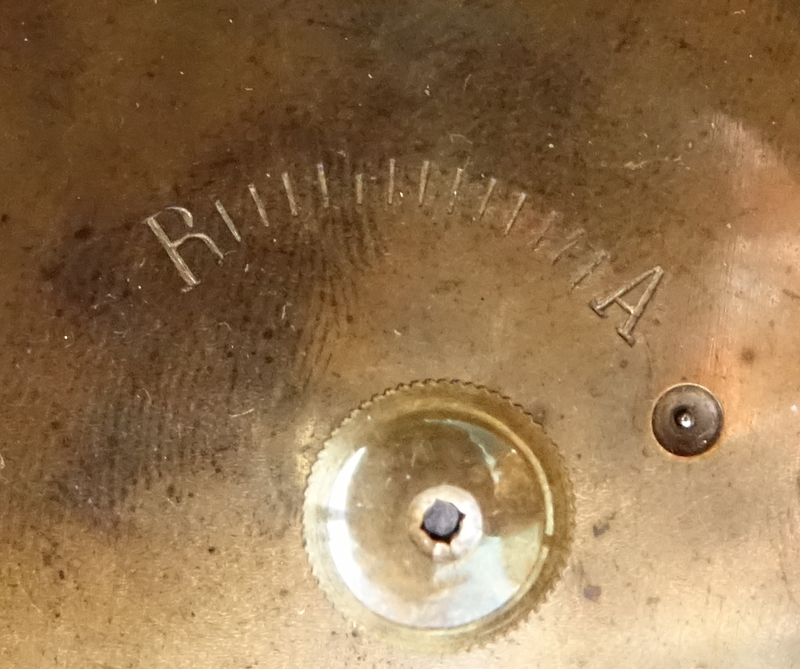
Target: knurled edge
<point>525,609</point>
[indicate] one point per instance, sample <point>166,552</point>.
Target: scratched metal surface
<point>155,441</point>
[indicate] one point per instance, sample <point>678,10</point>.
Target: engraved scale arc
<point>330,238</point>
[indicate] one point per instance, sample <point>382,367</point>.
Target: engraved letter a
<point>635,313</point>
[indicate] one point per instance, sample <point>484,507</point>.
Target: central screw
<point>442,521</point>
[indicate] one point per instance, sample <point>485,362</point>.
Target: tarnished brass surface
<point>576,204</point>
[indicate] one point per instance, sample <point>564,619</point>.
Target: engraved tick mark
<point>323,185</point>
<point>454,190</point>
<point>552,217</point>
<point>485,201</point>
<point>228,221</point>
<point>287,185</point>
<point>587,270</point>
<point>515,213</point>
<point>423,180</point>
<point>571,242</point>
<point>262,212</point>
<point>359,188</point>
<point>390,193</point>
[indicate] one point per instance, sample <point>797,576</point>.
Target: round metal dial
<point>447,449</point>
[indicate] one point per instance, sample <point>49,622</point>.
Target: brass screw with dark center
<point>687,420</point>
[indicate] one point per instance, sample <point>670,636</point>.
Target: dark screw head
<point>442,521</point>
<point>687,420</point>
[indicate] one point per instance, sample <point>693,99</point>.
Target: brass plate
<point>156,441</point>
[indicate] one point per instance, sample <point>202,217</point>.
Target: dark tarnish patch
<point>163,382</point>
<point>148,379</point>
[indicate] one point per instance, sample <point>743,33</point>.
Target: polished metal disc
<point>443,449</point>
